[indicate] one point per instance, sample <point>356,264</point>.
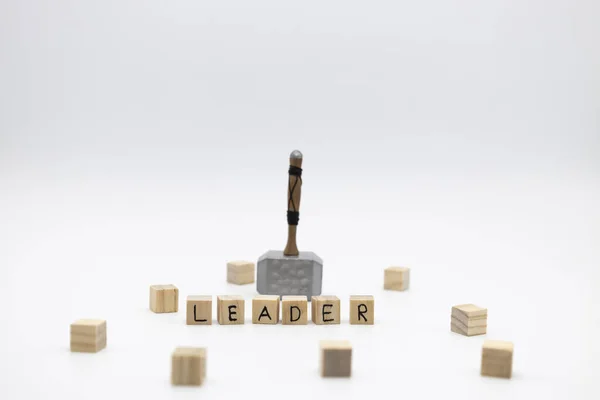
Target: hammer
<point>291,272</point>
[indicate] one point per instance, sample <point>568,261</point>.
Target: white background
<point>146,142</point>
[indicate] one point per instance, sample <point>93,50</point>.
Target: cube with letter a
<point>265,310</point>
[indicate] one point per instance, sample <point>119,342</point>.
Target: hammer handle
<point>293,204</point>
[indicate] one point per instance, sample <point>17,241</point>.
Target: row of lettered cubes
<point>266,309</point>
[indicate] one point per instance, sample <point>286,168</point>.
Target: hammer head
<point>300,275</point>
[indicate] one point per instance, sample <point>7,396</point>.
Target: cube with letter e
<point>230,310</point>
<point>325,310</point>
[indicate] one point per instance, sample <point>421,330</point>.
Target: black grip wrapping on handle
<point>295,171</point>
<point>293,217</point>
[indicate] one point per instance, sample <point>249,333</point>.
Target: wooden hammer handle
<point>293,204</point>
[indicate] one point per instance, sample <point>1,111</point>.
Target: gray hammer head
<point>289,275</point>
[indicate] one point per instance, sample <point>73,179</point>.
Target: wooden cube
<point>497,358</point>
<point>468,320</point>
<point>240,272</point>
<point>188,366</point>
<point>88,335</point>
<point>336,358</point>
<point>325,310</point>
<point>231,310</point>
<point>294,310</point>
<point>362,310</point>
<point>265,310</point>
<point>396,278</point>
<point>199,310</point>
<point>164,298</point>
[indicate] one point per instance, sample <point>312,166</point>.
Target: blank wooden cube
<point>336,358</point>
<point>468,320</point>
<point>294,310</point>
<point>497,358</point>
<point>188,366</point>
<point>88,335</point>
<point>231,310</point>
<point>199,310</point>
<point>396,278</point>
<point>164,298</point>
<point>265,309</point>
<point>240,272</point>
<point>362,310</point>
<point>325,310</point>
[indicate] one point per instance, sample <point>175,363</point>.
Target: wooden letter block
<point>362,310</point>
<point>396,278</point>
<point>164,298</point>
<point>325,310</point>
<point>265,310</point>
<point>230,310</point>
<point>88,335</point>
<point>240,272</point>
<point>336,358</point>
<point>497,358</point>
<point>199,310</point>
<point>188,366</point>
<point>294,310</point>
<point>468,320</point>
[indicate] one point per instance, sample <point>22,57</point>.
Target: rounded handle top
<point>296,154</point>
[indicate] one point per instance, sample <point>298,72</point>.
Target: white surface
<point>147,142</point>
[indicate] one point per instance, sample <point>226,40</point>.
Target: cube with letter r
<point>362,310</point>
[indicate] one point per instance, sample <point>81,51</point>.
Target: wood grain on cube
<point>199,310</point>
<point>396,278</point>
<point>188,366</point>
<point>468,320</point>
<point>265,309</point>
<point>362,310</point>
<point>457,327</point>
<point>467,312</point>
<point>336,358</point>
<point>325,310</point>
<point>231,310</point>
<point>240,272</point>
<point>497,358</point>
<point>88,335</point>
<point>164,298</point>
<point>294,310</point>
